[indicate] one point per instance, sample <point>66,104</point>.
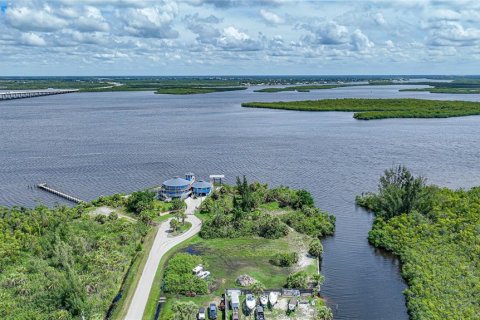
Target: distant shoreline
<point>372,109</point>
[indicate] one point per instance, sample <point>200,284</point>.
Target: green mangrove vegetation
<point>195,89</point>
<point>437,89</point>
<point>73,263</point>
<point>457,86</point>
<point>370,109</point>
<point>303,88</point>
<point>62,263</point>
<point>436,234</point>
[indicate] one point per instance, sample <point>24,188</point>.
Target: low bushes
<point>179,277</point>
<point>284,259</point>
<point>310,221</point>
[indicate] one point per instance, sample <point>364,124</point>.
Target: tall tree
<point>184,310</point>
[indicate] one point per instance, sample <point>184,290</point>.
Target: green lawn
<point>183,227</point>
<point>270,206</point>
<point>229,258</point>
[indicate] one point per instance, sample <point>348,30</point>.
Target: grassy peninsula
<point>370,109</point>
<point>435,232</point>
<point>271,235</point>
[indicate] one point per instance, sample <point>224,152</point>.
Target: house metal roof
<point>176,182</point>
<point>201,184</point>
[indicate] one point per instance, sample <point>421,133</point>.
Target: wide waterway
<point>89,144</point>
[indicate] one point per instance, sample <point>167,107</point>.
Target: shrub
<point>284,259</point>
<point>179,277</point>
<point>184,310</point>
<point>178,204</point>
<point>315,248</point>
<point>115,200</point>
<point>297,280</point>
<point>141,201</point>
<point>311,221</point>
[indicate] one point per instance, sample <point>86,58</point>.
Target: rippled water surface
<point>91,144</point>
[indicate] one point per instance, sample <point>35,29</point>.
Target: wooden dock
<point>44,186</point>
<point>31,94</point>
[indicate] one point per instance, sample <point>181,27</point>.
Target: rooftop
<point>176,182</point>
<point>201,184</point>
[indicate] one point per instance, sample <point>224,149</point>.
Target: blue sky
<point>238,37</point>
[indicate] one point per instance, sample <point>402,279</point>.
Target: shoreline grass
<point>371,109</point>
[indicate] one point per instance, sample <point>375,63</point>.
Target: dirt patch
<point>106,211</point>
<point>302,312</point>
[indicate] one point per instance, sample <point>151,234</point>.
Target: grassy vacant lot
<point>370,109</point>
<point>229,258</point>
<point>305,88</point>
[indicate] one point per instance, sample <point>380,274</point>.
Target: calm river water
<point>91,144</point>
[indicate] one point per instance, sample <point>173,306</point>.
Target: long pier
<point>44,186</point>
<point>31,94</point>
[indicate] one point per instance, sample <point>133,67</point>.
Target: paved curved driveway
<point>162,244</point>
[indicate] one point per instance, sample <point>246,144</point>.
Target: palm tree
<point>257,288</point>
<point>181,215</point>
<point>174,224</point>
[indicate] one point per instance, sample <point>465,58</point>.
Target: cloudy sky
<point>238,37</point>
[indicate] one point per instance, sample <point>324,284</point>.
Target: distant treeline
<point>195,89</point>
<point>370,109</point>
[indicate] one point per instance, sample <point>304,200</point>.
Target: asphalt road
<point>162,244</point>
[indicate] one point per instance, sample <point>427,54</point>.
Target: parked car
<point>259,314</point>
<point>201,314</point>
<point>190,294</point>
<point>212,311</point>
<point>235,315</point>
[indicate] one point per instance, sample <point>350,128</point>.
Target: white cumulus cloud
<point>271,17</point>
<point>29,19</point>
<point>32,39</point>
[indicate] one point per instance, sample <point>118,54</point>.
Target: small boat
<point>272,298</point>
<point>263,299</point>
<point>250,301</point>
<point>203,274</point>
<point>292,304</point>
